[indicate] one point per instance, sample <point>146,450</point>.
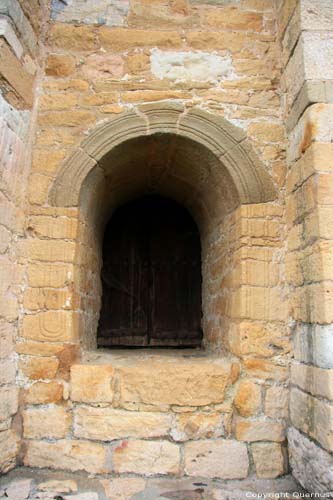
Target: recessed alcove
<point>151,277</point>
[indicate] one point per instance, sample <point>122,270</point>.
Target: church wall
<point>307,42</point>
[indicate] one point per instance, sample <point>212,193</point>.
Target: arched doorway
<point>151,277</point>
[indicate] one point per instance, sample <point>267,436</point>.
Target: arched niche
<point>196,158</point>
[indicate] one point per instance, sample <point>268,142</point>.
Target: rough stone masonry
<point>243,92</point>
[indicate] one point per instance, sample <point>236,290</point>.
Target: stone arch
<point>221,140</point>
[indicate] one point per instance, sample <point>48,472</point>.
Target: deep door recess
<point>151,277</point>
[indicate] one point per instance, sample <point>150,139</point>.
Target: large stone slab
<point>174,382</point>
<point>147,457</point>
<point>107,424</point>
<point>216,459</point>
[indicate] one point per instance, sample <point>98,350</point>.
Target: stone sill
<point>130,357</point>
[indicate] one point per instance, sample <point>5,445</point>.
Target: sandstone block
<point>64,486</point>
<point>9,402</point>
<point>20,81</point>
<point>147,458</point>
<point>311,465</point>
<point>153,95</point>
<point>269,460</point>
<point>229,17</point>
<point>123,488</point>
<point>73,118</point>
<point>198,426</point>
<point>7,371</point>
<point>266,132</point>
<point>38,348</point>
<point>52,422</point>
<point>47,250</point>
<point>35,299</point>
<point>75,84</point>
<point>100,99</point>
<point>137,63</point>
<point>260,340</point>
<point>276,402</point>
<point>67,455</point>
<point>174,383</point>
<point>248,398</point>
<point>121,39</point>
<point>39,185</point>
<point>92,383</point>
<point>57,102</point>
<point>19,489</point>
<point>317,381</point>
<point>60,65</point>
<point>221,459</point>
<point>258,303</point>
<point>259,430</point>
<point>99,66</point>
<point>9,448</point>
<point>49,275</point>
<point>107,424</point>
<point>72,37</point>
<point>44,393</point>
<point>36,368</point>
<point>51,326</point>
<point>46,162</point>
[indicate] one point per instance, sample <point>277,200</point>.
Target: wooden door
<point>151,277</point>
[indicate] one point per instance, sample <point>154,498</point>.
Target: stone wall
<point>306,35</point>
<point>19,67</point>
<point>209,76</point>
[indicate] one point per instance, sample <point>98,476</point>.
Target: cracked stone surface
<point>33,484</point>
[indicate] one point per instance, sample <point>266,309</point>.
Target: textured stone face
<point>106,424</point>
<point>67,455</point>
<point>91,384</point>
<point>193,66</point>
<point>174,384</point>
<point>147,457</point>
<point>217,459</point>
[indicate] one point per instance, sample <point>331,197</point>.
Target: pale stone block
<point>92,383</point>
<point>276,402</point>
<point>268,460</point>
<point>7,371</point>
<point>174,383</point>
<point>260,340</point>
<point>248,398</point>
<point>311,465</point>
<point>19,489</point>
<point>192,66</point>
<point>147,458</point>
<point>9,448</point>
<point>50,275</point>
<point>216,459</point>
<point>51,326</point>
<point>44,393</point>
<point>317,381</point>
<point>107,424</point>
<point>67,455</point>
<point>52,422</point>
<point>91,12</point>
<point>89,495</point>
<point>9,402</point>
<point>8,33</point>
<point>317,15</point>
<point>259,430</point>
<point>64,486</point>
<point>198,426</point>
<point>36,368</point>
<point>314,344</point>
<point>47,250</point>
<point>123,488</point>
